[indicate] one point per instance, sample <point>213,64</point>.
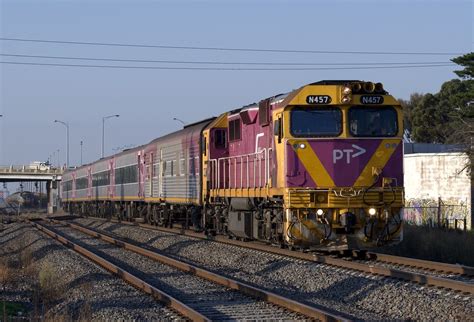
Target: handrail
<point>224,166</point>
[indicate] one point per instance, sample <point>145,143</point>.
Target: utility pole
<point>67,145</point>
<point>103,130</point>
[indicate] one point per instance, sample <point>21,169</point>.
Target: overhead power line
<point>228,49</point>
<point>217,62</point>
<point>222,68</point>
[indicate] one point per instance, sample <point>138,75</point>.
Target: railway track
<point>196,293</point>
<point>448,276</point>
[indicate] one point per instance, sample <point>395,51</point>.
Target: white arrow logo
<point>339,154</point>
<point>361,150</point>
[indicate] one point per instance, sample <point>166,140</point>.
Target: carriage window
<point>67,186</point>
<point>101,179</point>
<point>128,174</point>
<point>319,122</point>
<point>196,166</point>
<point>234,130</point>
<point>373,121</point>
<point>165,166</point>
<point>182,167</point>
<point>82,183</point>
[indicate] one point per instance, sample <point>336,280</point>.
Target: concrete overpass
<point>31,173</point>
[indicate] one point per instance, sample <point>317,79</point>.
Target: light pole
<point>103,130</point>
<point>81,152</point>
<point>177,119</point>
<point>67,145</point>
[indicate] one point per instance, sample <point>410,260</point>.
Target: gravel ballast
<point>83,290</point>
<point>214,301</point>
<point>360,295</point>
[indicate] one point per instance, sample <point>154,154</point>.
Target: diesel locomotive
<point>320,167</point>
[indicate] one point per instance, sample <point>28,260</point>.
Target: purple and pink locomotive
<point>320,167</point>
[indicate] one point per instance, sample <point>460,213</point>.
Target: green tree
<point>447,116</point>
<point>408,107</point>
<point>467,61</point>
<point>429,120</point>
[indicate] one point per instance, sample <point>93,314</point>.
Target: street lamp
<point>67,145</point>
<point>177,119</point>
<point>81,152</point>
<point>103,130</point>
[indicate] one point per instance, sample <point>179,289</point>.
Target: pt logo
<point>349,153</point>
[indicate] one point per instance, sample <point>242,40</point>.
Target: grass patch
<point>434,244</point>
<point>50,285</point>
<point>11,308</point>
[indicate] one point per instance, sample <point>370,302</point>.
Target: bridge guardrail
<point>13,169</point>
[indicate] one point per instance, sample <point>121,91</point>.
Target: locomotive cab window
<point>316,122</point>
<point>234,130</point>
<point>373,121</point>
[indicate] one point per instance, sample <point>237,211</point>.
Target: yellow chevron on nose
<point>312,164</point>
<point>378,160</point>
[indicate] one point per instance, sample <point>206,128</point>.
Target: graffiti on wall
<point>432,212</point>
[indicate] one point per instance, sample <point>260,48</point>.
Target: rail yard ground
<point>41,278</point>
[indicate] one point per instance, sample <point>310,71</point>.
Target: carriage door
<point>206,168</point>
<point>89,183</point>
<point>141,174</point>
<point>111,188</point>
<point>74,185</point>
<point>160,174</point>
<point>149,176</point>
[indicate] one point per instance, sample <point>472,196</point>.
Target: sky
<point>147,100</point>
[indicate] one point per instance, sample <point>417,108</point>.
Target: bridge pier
<point>49,193</point>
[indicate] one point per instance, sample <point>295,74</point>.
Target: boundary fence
<point>436,213</point>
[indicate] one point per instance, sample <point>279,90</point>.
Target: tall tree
<point>430,120</point>
<point>463,115</point>
<point>408,107</point>
<point>467,61</point>
<point>447,116</point>
<point>443,117</point>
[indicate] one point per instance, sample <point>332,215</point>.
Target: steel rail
<point>140,284</point>
<point>425,264</point>
<point>247,289</point>
<point>422,279</point>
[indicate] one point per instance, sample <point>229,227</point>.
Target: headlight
<point>369,87</point>
<point>302,145</point>
<point>346,99</point>
<point>356,87</point>
<point>347,90</point>
<point>319,212</point>
<point>379,87</point>
<point>372,211</point>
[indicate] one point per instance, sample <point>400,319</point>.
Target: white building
<point>434,178</point>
